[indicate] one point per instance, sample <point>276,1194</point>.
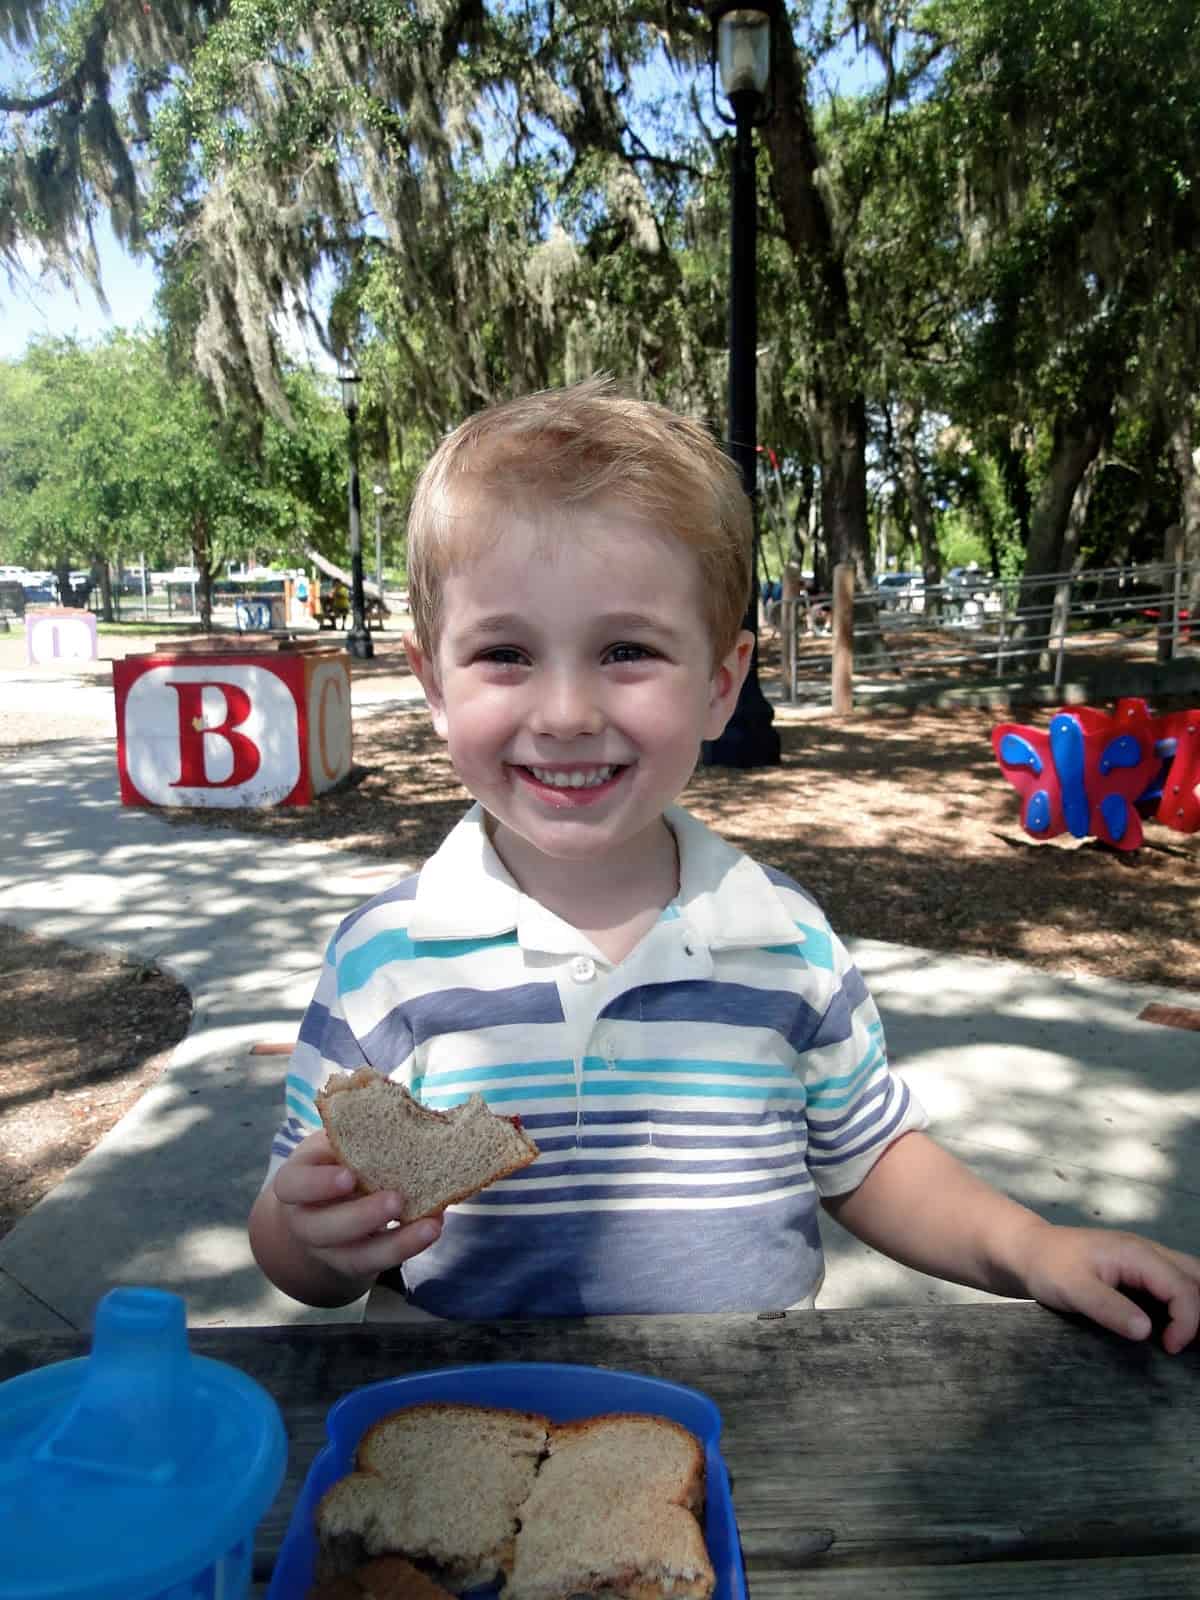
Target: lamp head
<point>350,381</point>
<point>741,52</point>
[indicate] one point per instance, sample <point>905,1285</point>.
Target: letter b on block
<point>216,733</point>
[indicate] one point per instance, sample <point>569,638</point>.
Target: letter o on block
<point>60,634</point>
<point>231,730</point>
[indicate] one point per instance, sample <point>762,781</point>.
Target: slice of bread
<point>434,1158</point>
<point>438,1484</point>
<point>650,1458</point>
<point>608,1546</point>
<point>613,1513</point>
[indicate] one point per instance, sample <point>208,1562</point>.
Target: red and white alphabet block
<point>252,729</point>
<point>60,633</point>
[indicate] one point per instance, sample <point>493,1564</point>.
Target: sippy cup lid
<point>134,1468</point>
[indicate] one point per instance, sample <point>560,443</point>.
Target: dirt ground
<point>82,1035</point>
<point>897,821</point>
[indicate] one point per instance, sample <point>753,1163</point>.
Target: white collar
<point>466,892</point>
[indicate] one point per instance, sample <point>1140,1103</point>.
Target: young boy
<point>678,1027</point>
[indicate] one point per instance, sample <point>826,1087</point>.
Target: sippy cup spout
<point>129,1417</point>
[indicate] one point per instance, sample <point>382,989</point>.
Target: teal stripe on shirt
<point>816,947</point>
<point>303,1110</point>
<point>481,1076</point>
<point>359,966</point>
<point>295,1084</point>
<point>823,1096</point>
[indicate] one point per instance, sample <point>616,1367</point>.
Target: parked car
<point>901,591</point>
<point>40,594</point>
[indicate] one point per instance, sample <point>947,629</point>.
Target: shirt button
<point>583,969</point>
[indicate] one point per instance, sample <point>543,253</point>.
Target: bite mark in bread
<point>435,1159</point>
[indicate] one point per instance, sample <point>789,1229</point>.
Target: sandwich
<point>438,1484</point>
<point>613,1514</point>
<point>607,1508</point>
<point>388,1578</point>
<point>434,1158</point>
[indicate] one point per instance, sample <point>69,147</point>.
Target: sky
<point>47,308</point>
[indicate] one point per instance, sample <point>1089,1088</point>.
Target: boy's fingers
<point>322,1226</point>
<point>1152,1270</point>
<point>303,1184</point>
<point>389,1249</point>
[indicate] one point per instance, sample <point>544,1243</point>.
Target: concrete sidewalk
<point>1050,1087</point>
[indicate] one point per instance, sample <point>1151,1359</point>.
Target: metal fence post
<point>843,639</point>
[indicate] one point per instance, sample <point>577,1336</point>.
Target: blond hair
<point>573,448</point>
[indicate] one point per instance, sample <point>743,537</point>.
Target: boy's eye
<point>628,652</point>
<point>502,655</point>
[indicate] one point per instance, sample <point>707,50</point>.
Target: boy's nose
<point>566,707</point>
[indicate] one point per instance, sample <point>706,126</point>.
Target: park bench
<point>330,614</point>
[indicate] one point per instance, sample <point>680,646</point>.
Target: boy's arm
<point>923,1208</point>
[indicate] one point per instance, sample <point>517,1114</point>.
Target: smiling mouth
<point>573,777</point>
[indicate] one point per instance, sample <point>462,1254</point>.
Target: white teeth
<point>556,778</point>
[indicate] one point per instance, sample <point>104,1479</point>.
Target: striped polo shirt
<point>691,1103</point>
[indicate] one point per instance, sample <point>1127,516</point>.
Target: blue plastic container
<point>140,1471</point>
<point>562,1392</point>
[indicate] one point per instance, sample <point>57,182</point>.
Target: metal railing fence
<point>980,627</point>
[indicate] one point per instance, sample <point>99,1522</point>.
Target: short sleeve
<point>327,1044</point>
<point>856,1106</point>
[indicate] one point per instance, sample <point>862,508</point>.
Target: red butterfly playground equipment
<point>1096,773</point>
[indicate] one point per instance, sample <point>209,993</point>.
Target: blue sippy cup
<point>138,1472</point>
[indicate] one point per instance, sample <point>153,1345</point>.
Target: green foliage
<point>105,451</point>
<point>991,218</point>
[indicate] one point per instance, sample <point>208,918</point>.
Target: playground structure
<point>1096,774</point>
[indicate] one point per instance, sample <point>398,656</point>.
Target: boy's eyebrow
<point>501,623</point>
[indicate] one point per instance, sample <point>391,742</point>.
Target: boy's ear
<point>423,668</point>
<point>726,684</point>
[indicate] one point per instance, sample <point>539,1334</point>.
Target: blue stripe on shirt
<point>469,1010</point>
<point>406,889</point>
<point>331,1037</point>
<point>702,1000</point>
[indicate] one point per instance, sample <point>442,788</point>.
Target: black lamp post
<point>741,51</point>
<point>358,640</point>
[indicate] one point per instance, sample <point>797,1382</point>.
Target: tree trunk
<point>920,510</point>
<point>1012,457</point>
<point>801,532</point>
<point>1183,459</point>
<point>201,555</point>
<point>1069,559</point>
<point>1078,440</point>
<point>102,578</point>
<point>842,432</point>
<point>839,411</point>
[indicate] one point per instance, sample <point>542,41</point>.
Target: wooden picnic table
<point>988,1450</point>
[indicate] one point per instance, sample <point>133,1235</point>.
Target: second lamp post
<point>358,640</point>
<point>742,53</point>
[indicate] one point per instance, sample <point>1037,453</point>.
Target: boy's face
<point>574,679</point>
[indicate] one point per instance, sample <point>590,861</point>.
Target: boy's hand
<point>1083,1269</point>
<point>345,1231</point>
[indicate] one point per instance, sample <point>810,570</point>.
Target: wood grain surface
<point>989,1450</point>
